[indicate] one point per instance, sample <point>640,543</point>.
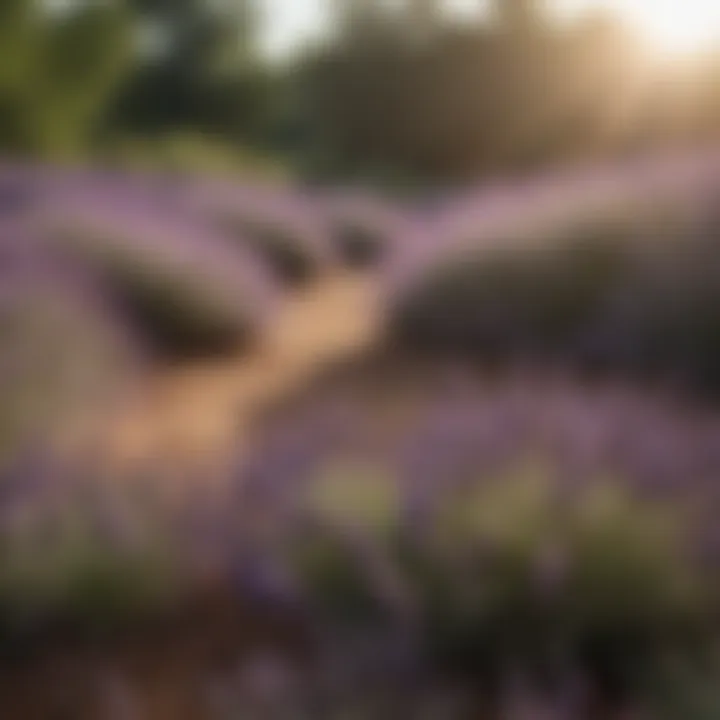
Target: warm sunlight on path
<point>196,415</point>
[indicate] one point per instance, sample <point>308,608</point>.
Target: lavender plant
<point>445,537</point>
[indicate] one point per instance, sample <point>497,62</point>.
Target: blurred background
<point>408,93</point>
<point>359,359</point>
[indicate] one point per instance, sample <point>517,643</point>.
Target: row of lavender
<point>103,275</point>
<point>435,537</point>
<point>624,283</point>
<point>526,537</point>
<point>487,538</point>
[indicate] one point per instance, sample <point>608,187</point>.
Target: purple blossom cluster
<point>145,266</point>
<point>531,479</point>
<point>452,539</point>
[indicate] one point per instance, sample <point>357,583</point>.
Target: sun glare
<point>676,26</point>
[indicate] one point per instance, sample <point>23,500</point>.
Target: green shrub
<point>63,567</point>
<point>509,574</point>
<point>681,688</point>
<point>355,495</point>
<point>602,583</point>
<point>354,514</point>
<point>188,153</point>
<point>333,574</point>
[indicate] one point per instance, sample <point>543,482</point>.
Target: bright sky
<point>672,25</point>
<point>292,21</point>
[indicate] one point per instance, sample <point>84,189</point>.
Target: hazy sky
<point>674,24</point>
<point>291,21</point>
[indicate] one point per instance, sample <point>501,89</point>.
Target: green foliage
<point>69,73</point>
<point>509,573</point>
<point>347,495</point>
<point>423,97</point>
<point>18,40</point>
<point>62,565</point>
<point>354,511</point>
<point>682,689</point>
<point>333,572</point>
<point>59,70</point>
<point>403,100</point>
<point>603,583</point>
<point>177,152</point>
<point>205,78</point>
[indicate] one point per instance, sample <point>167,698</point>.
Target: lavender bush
<point>533,528</point>
<point>412,533</point>
<point>177,311</point>
<point>631,297</point>
<point>63,354</point>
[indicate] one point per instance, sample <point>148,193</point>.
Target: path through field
<point>197,414</point>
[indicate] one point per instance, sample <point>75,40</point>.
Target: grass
<point>189,153</point>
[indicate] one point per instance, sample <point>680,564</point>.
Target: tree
<point>204,75</point>
<point>58,70</point>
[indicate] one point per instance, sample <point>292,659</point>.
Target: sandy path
<point>197,414</point>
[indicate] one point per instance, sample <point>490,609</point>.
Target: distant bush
<point>279,244</point>
<point>177,310</point>
<point>194,153</point>
<point>601,296</point>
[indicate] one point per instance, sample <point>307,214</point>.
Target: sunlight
<point>675,26</point>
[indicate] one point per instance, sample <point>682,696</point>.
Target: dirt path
<point>197,414</point>
<point>193,417</point>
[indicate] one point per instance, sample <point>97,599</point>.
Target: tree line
<point>397,90</point>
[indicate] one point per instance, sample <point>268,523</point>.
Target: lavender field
<point>273,452</point>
